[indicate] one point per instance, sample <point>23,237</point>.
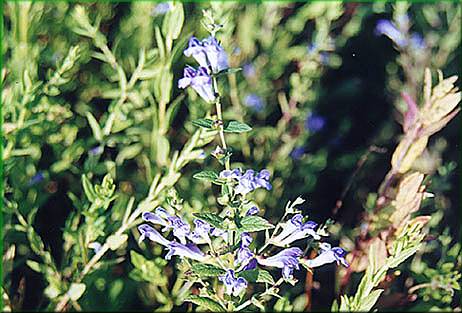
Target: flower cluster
<point>181,230</point>
<point>248,181</point>
<point>244,258</point>
<point>212,59</point>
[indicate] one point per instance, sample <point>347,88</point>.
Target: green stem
<point>272,235</point>
<point>220,118</point>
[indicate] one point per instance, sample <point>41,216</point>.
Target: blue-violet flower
<point>294,230</point>
<point>208,53</point>
<point>185,250</point>
<point>287,259</point>
<point>249,181</point>
<point>199,80</point>
<point>328,255</point>
<point>233,286</point>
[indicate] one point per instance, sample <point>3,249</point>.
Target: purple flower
<point>152,234</point>
<point>287,259</point>
<point>219,233</point>
<point>37,178</point>
<point>262,179</point>
<point>202,228</point>
<point>251,264</point>
<point>199,80</point>
<point>252,211</point>
<point>189,250</point>
<point>96,246</point>
<point>216,55</point>
<point>180,229</point>
<point>294,230</point>
<point>417,42</point>
<point>254,102</point>
<point>328,255</point>
<point>154,218</point>
<point>297,153</point>
<point>314,122</point>
<point>161,8</point>
<point>244,255</point>
<point>233,286</point>
<point>235,173</point>
<point>387,28</point>
<point>201,232</point>
<point>248,70</point>
<point>208,53</point>
<point>312,48</point>
<point>196,50</point>
<point>96,150</point>
<point>249,181</point>
<point>324,58</point>
<point>246,240</point>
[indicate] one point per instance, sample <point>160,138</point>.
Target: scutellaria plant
<point>223,246</point>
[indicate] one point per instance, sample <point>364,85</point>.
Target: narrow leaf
<point>207,270</point>
<point>95,128</point>
<point>254,223</point>
<point>207,303</point>
<point>237,127</point>
<point>206,175</point>
<point>257,276</point>
<point>212,219</point>
<point>204,123</point>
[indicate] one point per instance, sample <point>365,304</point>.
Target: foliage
<point>105,140</point>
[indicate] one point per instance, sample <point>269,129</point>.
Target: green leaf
<point>207,270</point>
<point>237,127</point>
<point>204,123</point>
<point>334,307</point>
<point>283,305</point>
<point>212,219</point>
<point>34,266</point>
<point>368,302</point>
<point>76,291</point>
<point>163,150</point>
<point>147,270</point>
<point>254,223</point>
<point>207,303</point>
<point>257,276</point>
<point>402,256</point>
<point>129,152</point>
<point>88,189</point>
<point>96,129</point>
<point>36,242</point>
<point>115,241</point>
<point>206,175</point>
<point>160,44</point>
<point>173,21</point>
